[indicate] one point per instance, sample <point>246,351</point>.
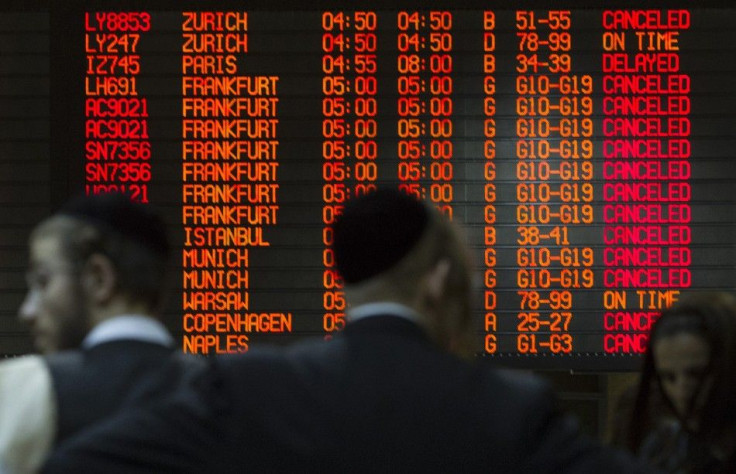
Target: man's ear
<point>436,279</point>
<point>99,278</point>
<point>435,309</point>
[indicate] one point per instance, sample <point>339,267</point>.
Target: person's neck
<point>380,308</point>
<point>116,308</point>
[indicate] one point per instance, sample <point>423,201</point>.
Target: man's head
<point>97,257</point>
<point>390,247</point>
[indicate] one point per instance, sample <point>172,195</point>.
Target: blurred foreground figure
<point>393,392</point>
<point>95,287</point>
<point>27,414</point>
<point>690,364</point>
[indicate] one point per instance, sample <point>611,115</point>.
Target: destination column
<point>229,175</point>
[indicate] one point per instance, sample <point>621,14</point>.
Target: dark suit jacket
<point>377,398</point>
<point>91,384</point>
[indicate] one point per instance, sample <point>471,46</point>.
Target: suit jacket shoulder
<point>91,384</point>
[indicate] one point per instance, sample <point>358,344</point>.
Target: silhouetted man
<point>395,391</point>
<point>96,283</point>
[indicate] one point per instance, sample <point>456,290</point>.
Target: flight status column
<point>646,193</point>
<point>117,147</point>
<point>229,182</point>
<point>349,132</point>
<point>425,106</point>
<point>554,172</point>
<point>490,299</point>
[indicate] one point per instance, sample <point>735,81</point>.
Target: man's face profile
<point>53,306</point>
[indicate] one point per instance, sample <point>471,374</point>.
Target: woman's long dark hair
<point>711,315</point>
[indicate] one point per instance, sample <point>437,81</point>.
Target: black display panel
<point>585,150</point>
<point>25,162</point>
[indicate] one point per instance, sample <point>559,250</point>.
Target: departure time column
<point>349,132</point>
<point>425,106</point>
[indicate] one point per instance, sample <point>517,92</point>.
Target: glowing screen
<point>587,152</point>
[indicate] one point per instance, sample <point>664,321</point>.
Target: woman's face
<point>682,361</point>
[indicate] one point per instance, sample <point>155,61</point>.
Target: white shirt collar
<point>382,309</point>
<point>129,326</point>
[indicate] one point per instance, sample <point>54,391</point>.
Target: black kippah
<point>116,212</point>
<point>375,231</point>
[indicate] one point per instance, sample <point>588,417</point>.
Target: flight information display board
<point>586,151</point>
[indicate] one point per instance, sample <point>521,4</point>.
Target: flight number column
<point>117,146</point>
<point>229,183</point>
<point>555,173</point>
<point>646,149</point>
<point>490,297</point>
<point>349,131</point>
<point>425,106</point>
